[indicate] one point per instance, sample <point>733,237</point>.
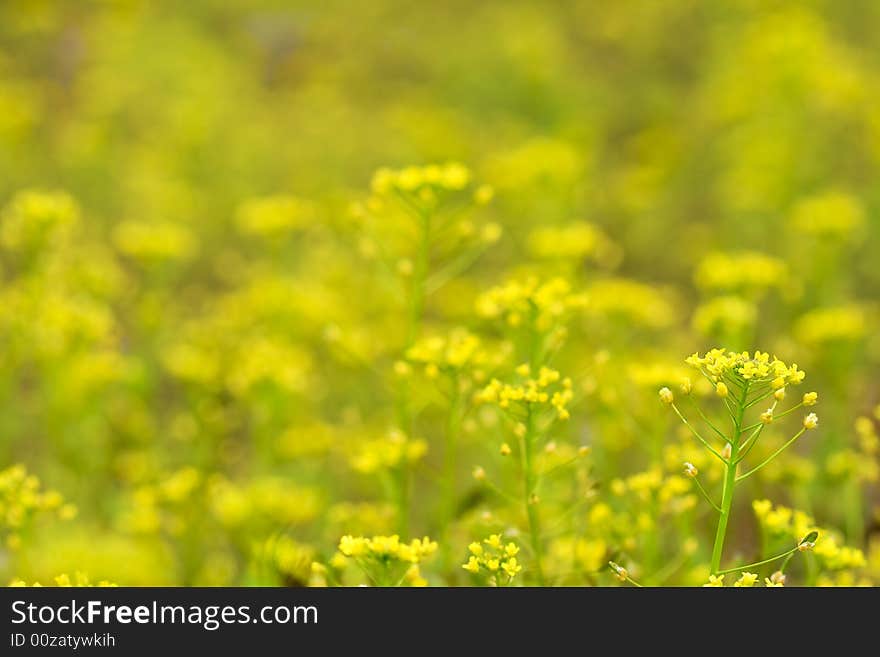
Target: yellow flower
<point>493,541</point>
<point>511,567</point>
<point>767,416</point>
<point>476,549</point>
<point>721,389</point>
<point>666,396</point>
<point>715,581</point>
<point>746,580</point>
<point>472,565</point>
<point>810,398</point>
<point>762,507</point>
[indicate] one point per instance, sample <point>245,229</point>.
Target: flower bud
<point>811,421</point>
<point>721,389</point>
<point>690,469</point>
<point>620,571</point>
<point>666,396</point>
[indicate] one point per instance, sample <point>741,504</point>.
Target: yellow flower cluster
<point>21,498</point>
<point>273,216</point>
<point>34,219</point>
<point>866,430</point>
<point>632,301</point>
<point>396,448</point>
<point>494,558</point>
<point>546,388</point>
<point>154,240</point>
<point>724,313</point>
<point>747,580</point>
<point>387,548</point>
<point>267,501</point>
<point>414,180</point>
<point>834,324</point>
<point>458,350</point>
<point>782,521</point>
<point>755,368</point>
<point>530,301</point>
<point>829,214</point>
<point>741,271</point>
<point>64,580</point>
<point>577,240</point>
<point>585,554</point>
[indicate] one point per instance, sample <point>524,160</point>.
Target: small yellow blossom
<point>746,580</point>
<point>511,567</point>
<point>494,541</point>
<point>715,581</point>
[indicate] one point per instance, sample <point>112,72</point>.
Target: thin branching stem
<point>772,456</point>
<point>706,495</point>
<point>759,563</point>
<point>697,434</point>
<point>707,420</point>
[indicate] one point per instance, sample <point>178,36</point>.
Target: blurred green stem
<point>453,428</point>
<point>529,485</point>
<point>416,310</point>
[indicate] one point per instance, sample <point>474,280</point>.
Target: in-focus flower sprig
<point>493,559</point>
<point>742,380</point>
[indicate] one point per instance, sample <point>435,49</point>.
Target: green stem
<point>706,495</point>
<point>696,433</point>
<point>772,456</point>
<point>729,484</point>
<point>758,563</point>
<point>707,420</point>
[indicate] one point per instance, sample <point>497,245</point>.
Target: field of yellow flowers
<point>495,294</point>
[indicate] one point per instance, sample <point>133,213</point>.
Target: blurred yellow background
<point>216,324</point>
